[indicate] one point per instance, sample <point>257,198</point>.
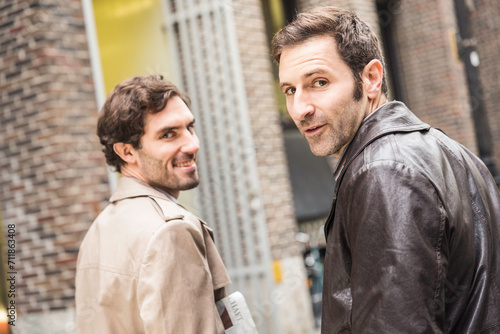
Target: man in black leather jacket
<point>413,237</point>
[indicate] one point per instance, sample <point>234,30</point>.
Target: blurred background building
<point>263,192</point>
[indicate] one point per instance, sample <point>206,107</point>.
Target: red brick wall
<point>53,179</point>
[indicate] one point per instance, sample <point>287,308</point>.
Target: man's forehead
<point>175,114</point>
<point>305,67</point>
<point>313,42</point>
<point>318,48</point>
<point>314,55</point>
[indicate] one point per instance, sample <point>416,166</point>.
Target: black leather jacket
<point>413,238</point>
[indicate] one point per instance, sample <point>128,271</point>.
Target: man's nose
<point>302,106</point>
<point>191,143</point>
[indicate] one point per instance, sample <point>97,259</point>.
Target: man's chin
<point>319,151</point>
<point>322,149</point>
<point>189,184</point>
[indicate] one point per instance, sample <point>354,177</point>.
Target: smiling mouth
<point>186,163</point>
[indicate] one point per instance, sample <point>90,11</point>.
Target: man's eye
<point>290,91</point>
<point>191,128</point>
<point>320,83</point>
<point>168,135</point>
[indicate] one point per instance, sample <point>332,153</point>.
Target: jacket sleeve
<point>175,292</point>
<point>395,228</point>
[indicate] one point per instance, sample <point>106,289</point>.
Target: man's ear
<point>372,76</point>
<point>126,152</point>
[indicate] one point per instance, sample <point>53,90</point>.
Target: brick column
<point>53,180</point>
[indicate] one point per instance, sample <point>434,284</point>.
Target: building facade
<point>58,59</point>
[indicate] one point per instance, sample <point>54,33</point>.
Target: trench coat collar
<point>130,187</point>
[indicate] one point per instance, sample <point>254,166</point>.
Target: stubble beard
<point>158,175</point>
<point>333,140</point>
<point>191,182</point>
<point>329,143</point>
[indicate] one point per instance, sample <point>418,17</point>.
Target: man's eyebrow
<point>307,75</point>
<point>314,71</point>
<point>166,129</point>
<point>283,84</point>
<point>170,128</point>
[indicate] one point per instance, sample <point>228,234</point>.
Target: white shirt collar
<point>169,196</point>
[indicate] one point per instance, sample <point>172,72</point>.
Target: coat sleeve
<point>395,228</point>
<point>175,291</point>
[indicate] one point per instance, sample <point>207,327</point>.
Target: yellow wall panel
<point>132,40</point>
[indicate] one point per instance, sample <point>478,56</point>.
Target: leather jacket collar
<point>391,118</point>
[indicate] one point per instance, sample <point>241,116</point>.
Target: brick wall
<point>53,179</point>
<point>434,80</point>
<point>486,31</point>
<point>267,134</point>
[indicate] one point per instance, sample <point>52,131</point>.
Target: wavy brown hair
<point>356,43</point>
<point>121,119</point>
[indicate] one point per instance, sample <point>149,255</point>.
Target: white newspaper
<point>235,315</point>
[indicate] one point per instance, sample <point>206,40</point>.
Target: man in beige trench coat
<point>147,265</point>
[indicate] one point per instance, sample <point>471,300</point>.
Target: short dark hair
<point>121,119</point>
<point>356,43</point>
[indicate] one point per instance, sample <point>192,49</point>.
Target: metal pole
<point>97,73</point>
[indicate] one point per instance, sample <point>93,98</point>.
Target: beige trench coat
<point>147,265</point>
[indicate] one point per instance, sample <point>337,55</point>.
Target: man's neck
<point>376,103</point>
<point>131,172</point>
<point>373,105</point>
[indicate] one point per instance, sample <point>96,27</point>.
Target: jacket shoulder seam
<point>161,212</point>
<point>445,146</point>
<point>109,269</point>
